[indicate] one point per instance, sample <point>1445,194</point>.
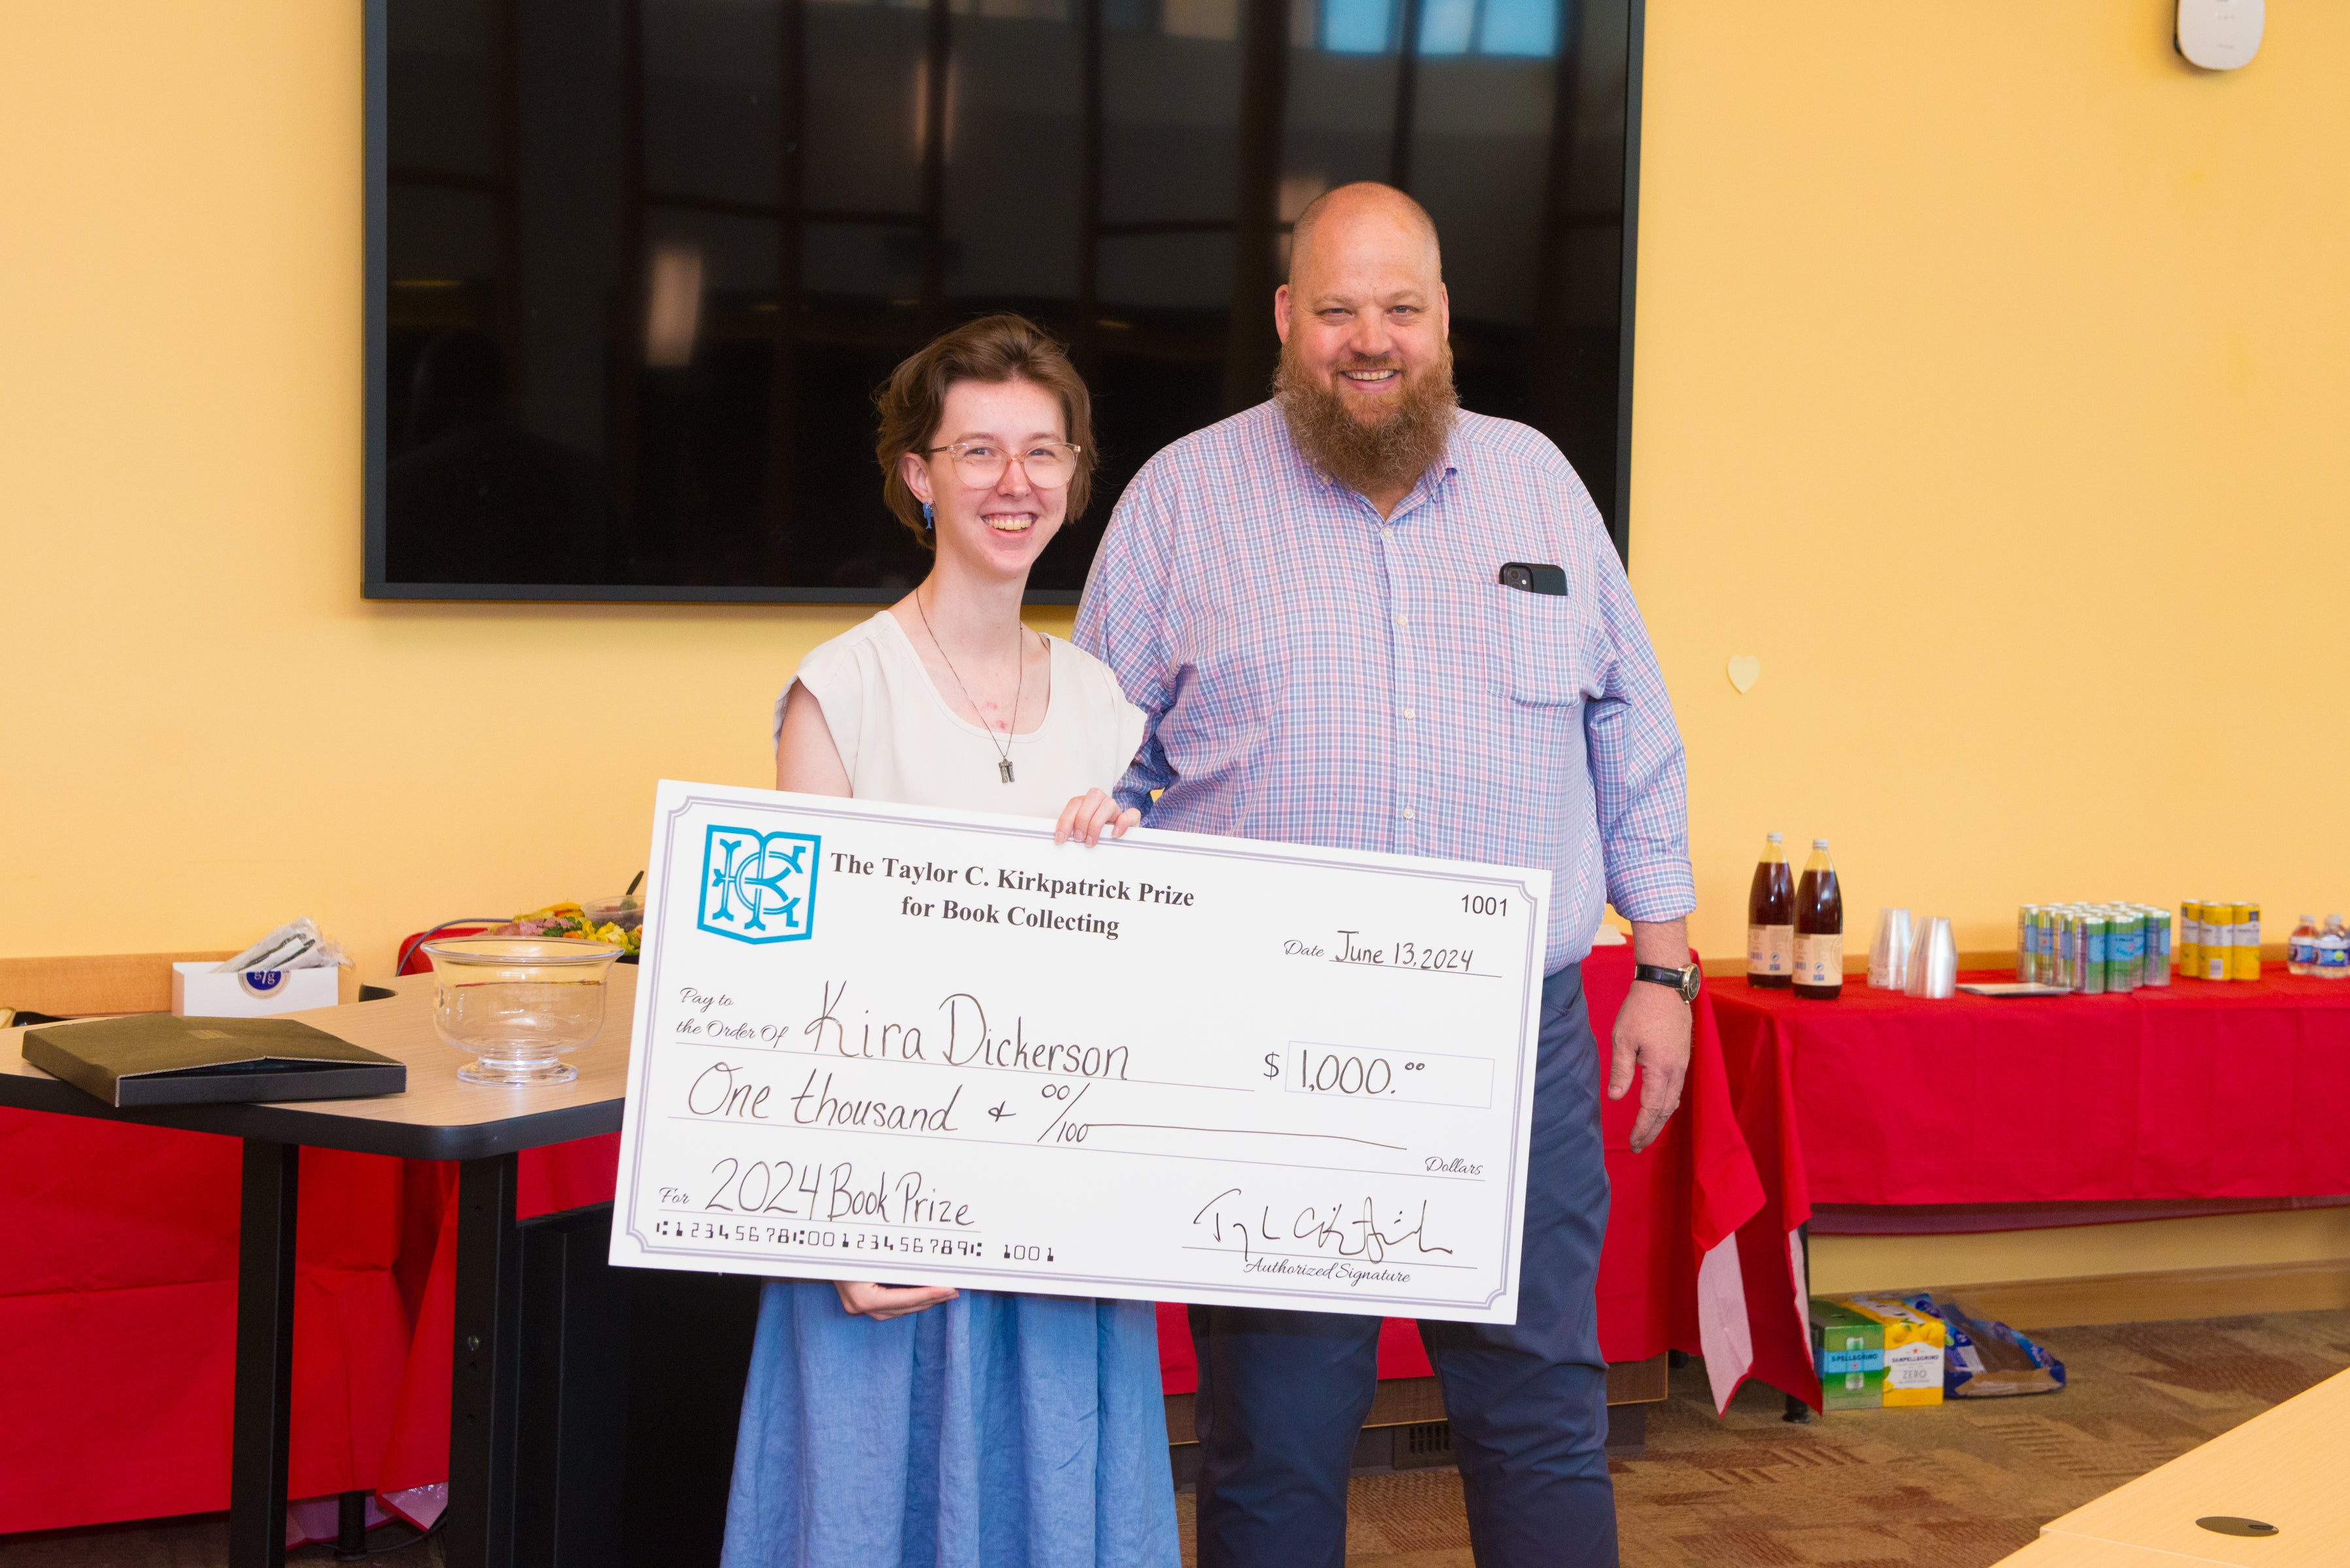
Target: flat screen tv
<point>636,266</point>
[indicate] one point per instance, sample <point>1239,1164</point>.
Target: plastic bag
<point>1986,1360</point>
<point>296,944</point>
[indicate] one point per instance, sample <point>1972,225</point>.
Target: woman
<point>888,1424</point>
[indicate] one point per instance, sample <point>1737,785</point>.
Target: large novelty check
<point>892,1042</point>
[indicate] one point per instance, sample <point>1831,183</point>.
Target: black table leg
<point>486,1388</point>
<point>264,1355</point>
<point>350,1526</point>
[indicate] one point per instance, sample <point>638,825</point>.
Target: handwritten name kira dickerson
<point>722,1090</point>
<point>969,1042</point>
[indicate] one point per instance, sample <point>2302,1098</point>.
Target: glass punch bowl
<point>518,1005</point>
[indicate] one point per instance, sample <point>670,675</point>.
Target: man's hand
<point>1652,1033</point>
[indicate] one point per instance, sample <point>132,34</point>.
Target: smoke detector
<point>2220,35</point>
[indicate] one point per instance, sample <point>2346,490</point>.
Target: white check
<point>928,1047</point>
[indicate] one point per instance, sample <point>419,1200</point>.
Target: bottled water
<point>2301,953</point>
<point>2332,950</point>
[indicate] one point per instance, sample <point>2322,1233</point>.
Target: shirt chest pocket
<point>1545,654</point>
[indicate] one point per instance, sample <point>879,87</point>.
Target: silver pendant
<point>1005,767</point>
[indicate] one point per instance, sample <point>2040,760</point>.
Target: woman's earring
<point>925,517</point>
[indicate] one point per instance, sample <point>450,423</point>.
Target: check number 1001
<point>1351,1073</point>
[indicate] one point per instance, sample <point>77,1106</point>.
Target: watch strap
<point>1676,981</point>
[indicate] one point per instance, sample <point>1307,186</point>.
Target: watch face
<point>1689,984</point>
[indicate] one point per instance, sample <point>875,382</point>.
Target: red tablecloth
<point>2189,1090</point>
<point>118,1269</point>
<point>118,1316</point>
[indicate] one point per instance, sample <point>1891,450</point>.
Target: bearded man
<point>1360,616</point>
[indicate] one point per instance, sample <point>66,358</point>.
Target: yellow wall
<point>1991,390</point>
<point>1993,379</point>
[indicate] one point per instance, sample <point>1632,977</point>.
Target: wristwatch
<point>1681,982</point>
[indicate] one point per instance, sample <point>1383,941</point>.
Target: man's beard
<point>1385,455</point>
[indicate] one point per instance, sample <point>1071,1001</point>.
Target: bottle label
<point>1819,959</point>
<point>1770,950</point>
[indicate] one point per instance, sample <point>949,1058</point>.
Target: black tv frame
<point>375,181</point>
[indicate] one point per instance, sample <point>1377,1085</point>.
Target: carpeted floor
<point>1959,1486</point>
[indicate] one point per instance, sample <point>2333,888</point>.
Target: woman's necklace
<point>1020,647</point>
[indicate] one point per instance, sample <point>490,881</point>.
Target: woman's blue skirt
<point>990,1431</point>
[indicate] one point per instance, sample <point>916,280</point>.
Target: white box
<point>198,990</point>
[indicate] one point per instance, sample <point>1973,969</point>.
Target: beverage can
<point>2213,955</point>
<point>2246,956</point>
<point>2158,946</point>
<point>2091,965</point>
<point>2124,931</point>
<point>2065,933</point>
<point>2190,938</point>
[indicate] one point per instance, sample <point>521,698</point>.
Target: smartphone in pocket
<point>1534,577</point>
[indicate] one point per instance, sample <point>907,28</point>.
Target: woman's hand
<point>882,1302</point>
<point>1087,814</point>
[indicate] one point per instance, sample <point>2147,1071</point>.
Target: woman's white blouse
<point>901,742</point>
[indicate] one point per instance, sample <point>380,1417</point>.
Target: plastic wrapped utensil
<point>296,944</point>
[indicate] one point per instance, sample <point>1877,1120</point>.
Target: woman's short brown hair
<point>995,350</point>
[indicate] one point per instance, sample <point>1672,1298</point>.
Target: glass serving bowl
<point>518,1003</point>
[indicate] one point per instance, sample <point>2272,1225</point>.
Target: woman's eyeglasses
<point>1050,465</point>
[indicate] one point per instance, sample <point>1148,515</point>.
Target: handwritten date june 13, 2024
<point>1402,953</point>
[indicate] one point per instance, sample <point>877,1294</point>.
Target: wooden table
<point>2283,1468</point>
<point>2079,1552</point>
<point>439,1117</point>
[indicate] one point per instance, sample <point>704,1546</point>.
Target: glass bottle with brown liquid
<point>1771,919</point>
<point>1819,928</point>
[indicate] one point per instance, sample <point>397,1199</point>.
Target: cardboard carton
<point>1848,1347</point>
<point>1876,1349</point>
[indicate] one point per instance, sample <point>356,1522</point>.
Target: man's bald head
<point>1365,211</point>
<point>1365,378</point>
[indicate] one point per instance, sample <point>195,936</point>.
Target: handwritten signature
<point>1349,1235</point>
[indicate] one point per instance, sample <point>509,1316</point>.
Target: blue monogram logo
<point>759,887</point>
<point>260,981</point>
